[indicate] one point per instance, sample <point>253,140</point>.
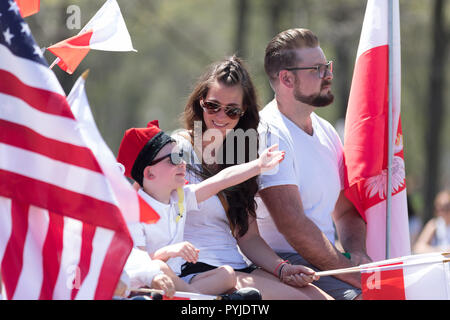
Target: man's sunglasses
<point>175,158</point>
<point>212,108</point>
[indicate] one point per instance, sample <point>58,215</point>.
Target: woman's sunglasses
<point>212,108</point>
<point>175,158</point>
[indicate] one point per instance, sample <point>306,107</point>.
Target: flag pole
<point>390,146</point>
<point>179,294</point>
<point>54,62</point>
<point>444,257</point>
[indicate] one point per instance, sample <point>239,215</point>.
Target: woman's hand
<point>297,275</point>
<point>270,158</point>
<point>164,283</point>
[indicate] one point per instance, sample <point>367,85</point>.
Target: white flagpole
<point>443,257</point>
<point>54,62</point>
<point>390,145</point>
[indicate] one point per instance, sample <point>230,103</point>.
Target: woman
<point>435,236</point>
<point>223,101</point>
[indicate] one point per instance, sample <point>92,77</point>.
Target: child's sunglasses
<point>175,158</point>
<point>212,108</point>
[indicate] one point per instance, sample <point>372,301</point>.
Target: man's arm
<point>351,230</point>
<point>286,209</point>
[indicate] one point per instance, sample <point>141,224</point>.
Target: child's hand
<point>270,158</point>
<point>185,250</point>
<point>297,275</point>
<point>164,283</point>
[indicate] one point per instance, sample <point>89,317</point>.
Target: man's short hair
<point>281,50</point>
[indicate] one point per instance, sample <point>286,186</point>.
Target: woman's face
<point>224,96</point>
<point>443,208</point>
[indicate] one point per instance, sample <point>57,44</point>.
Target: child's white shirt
<point>169,229</point>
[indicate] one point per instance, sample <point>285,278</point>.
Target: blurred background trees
<point>177,39</point>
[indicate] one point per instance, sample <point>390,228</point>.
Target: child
<point>155,162</point>
<point>140,271</point>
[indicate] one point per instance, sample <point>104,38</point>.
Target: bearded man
<point>303,205</point>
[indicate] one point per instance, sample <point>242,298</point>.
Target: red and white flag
<point>105,31</point>
<point>133,207</point>
<point>180,295</point>
<point>28,7</point>
<point>366,135</point>
<point>62,234</point>
<point>416,277</point>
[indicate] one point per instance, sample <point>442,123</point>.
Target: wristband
<point>347,255</point>
<point>277,274</point>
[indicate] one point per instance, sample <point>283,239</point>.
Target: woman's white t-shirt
<point>207,227</point>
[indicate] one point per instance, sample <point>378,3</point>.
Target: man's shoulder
<point>269,110</point>
<point>321,121</point>
<point>327,127</point>
<point>270,118</point>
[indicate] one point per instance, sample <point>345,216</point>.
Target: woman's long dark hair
<point>240,198</point>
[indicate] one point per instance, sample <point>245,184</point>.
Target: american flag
<point>62,235</point>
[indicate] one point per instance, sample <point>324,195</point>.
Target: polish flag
<point>133,207</point>
<point>105,31</point>
<point>416,277</point>
<point>28,7</point>
<point>366,135</point>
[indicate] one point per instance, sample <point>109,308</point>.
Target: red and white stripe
<point>62,234</point>
<point>56,250</point>
<point>366,134</point>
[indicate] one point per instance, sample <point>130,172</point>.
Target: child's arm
<point>185,250</point>
<point>234,175</point>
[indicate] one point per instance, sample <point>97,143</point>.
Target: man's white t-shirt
<point>313,163</point>
<point>167,230</point>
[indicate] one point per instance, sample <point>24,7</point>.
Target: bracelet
<point>280,271</point>
<point>277,274</point>
<point>347,255</point>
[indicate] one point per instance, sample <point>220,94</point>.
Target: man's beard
<point>316,100</point>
